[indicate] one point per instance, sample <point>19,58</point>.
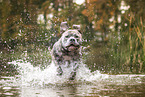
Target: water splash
<point>31,75</point>
<point>34,76</point>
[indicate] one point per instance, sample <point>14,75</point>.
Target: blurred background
<point>113,32</point>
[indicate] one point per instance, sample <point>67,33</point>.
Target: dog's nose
<point>72,40</point>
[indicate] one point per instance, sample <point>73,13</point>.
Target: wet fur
<point>61,54</point>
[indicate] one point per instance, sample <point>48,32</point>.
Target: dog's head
<point>71,38</point>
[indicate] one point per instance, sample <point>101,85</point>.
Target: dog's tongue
<point>72,48</point>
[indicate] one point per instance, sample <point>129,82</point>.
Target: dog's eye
<point>76,36</point>
<point>67,36</point>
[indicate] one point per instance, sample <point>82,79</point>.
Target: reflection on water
<point>30,83</point>
<point>71,90</point>
<point>8,88</point>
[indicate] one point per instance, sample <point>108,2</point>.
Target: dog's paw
<point>59,71</point>
<point>73,74</point>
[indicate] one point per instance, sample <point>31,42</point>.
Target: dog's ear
<point>63,27</point>
<point>77,27</point>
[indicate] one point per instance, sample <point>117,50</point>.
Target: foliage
<point>115,36</point>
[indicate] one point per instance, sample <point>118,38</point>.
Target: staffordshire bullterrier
<point>67,50</point>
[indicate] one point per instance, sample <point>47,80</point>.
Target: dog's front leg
<point>73,73</point>
<point>59,70</point>
<point>58,62</point>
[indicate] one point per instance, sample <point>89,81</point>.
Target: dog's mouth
<point>72,47</point>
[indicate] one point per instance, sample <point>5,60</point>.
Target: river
<point>30,81</point>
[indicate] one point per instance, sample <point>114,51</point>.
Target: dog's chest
<point>70,56</point>
<point>65,57</point>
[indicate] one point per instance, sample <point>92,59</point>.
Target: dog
<point>67,50</point>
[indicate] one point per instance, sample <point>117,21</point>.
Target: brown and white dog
<point>67,50</point>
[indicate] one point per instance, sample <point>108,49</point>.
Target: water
<point>32,81</point>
